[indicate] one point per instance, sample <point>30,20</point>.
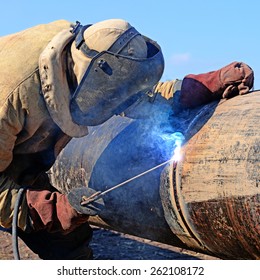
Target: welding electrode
<point>98,194</point>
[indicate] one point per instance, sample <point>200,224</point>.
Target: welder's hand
<point>233,79</point>
<point>78,195</point>
<point>238,78</point>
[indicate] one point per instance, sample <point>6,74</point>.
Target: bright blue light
<point>175,140</point>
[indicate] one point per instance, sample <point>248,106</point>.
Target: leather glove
<point>50,210</point>
<point>233,79</point>
<point>76,197</point>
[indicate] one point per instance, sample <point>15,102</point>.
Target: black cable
<point>15,223</point>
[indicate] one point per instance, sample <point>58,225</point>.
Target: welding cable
<point>15,224</point>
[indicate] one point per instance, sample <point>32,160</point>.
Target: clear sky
<point>196,36</point>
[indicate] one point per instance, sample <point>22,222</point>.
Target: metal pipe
<point>214,191</point>
<point>208,203</point>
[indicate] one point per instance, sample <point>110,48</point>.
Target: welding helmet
<point>116,64</point>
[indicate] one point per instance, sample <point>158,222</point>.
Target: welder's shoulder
<point>19,53</point>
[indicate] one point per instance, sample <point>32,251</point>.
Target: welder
<point>56,80</point>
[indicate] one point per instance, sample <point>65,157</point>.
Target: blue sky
<point>196,36</point>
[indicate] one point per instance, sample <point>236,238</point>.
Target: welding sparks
<point>176,139</point>
<point>179,138</point>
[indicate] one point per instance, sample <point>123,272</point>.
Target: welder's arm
<point>198,89</point>
<point>229,81</point>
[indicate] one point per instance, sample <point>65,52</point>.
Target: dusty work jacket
<point>34,127</point>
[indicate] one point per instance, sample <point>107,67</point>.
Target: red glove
<point>233,79</point>
<point>52,211</point>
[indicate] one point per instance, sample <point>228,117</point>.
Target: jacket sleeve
<point>11,123</point>
<point>167,89</point>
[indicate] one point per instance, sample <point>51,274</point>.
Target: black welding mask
<point>112,82</point>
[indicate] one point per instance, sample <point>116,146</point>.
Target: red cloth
<point>233,79</point>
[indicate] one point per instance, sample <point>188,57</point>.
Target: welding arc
<point>99,194</point>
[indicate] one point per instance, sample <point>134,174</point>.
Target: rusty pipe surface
<point>209,202</point>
